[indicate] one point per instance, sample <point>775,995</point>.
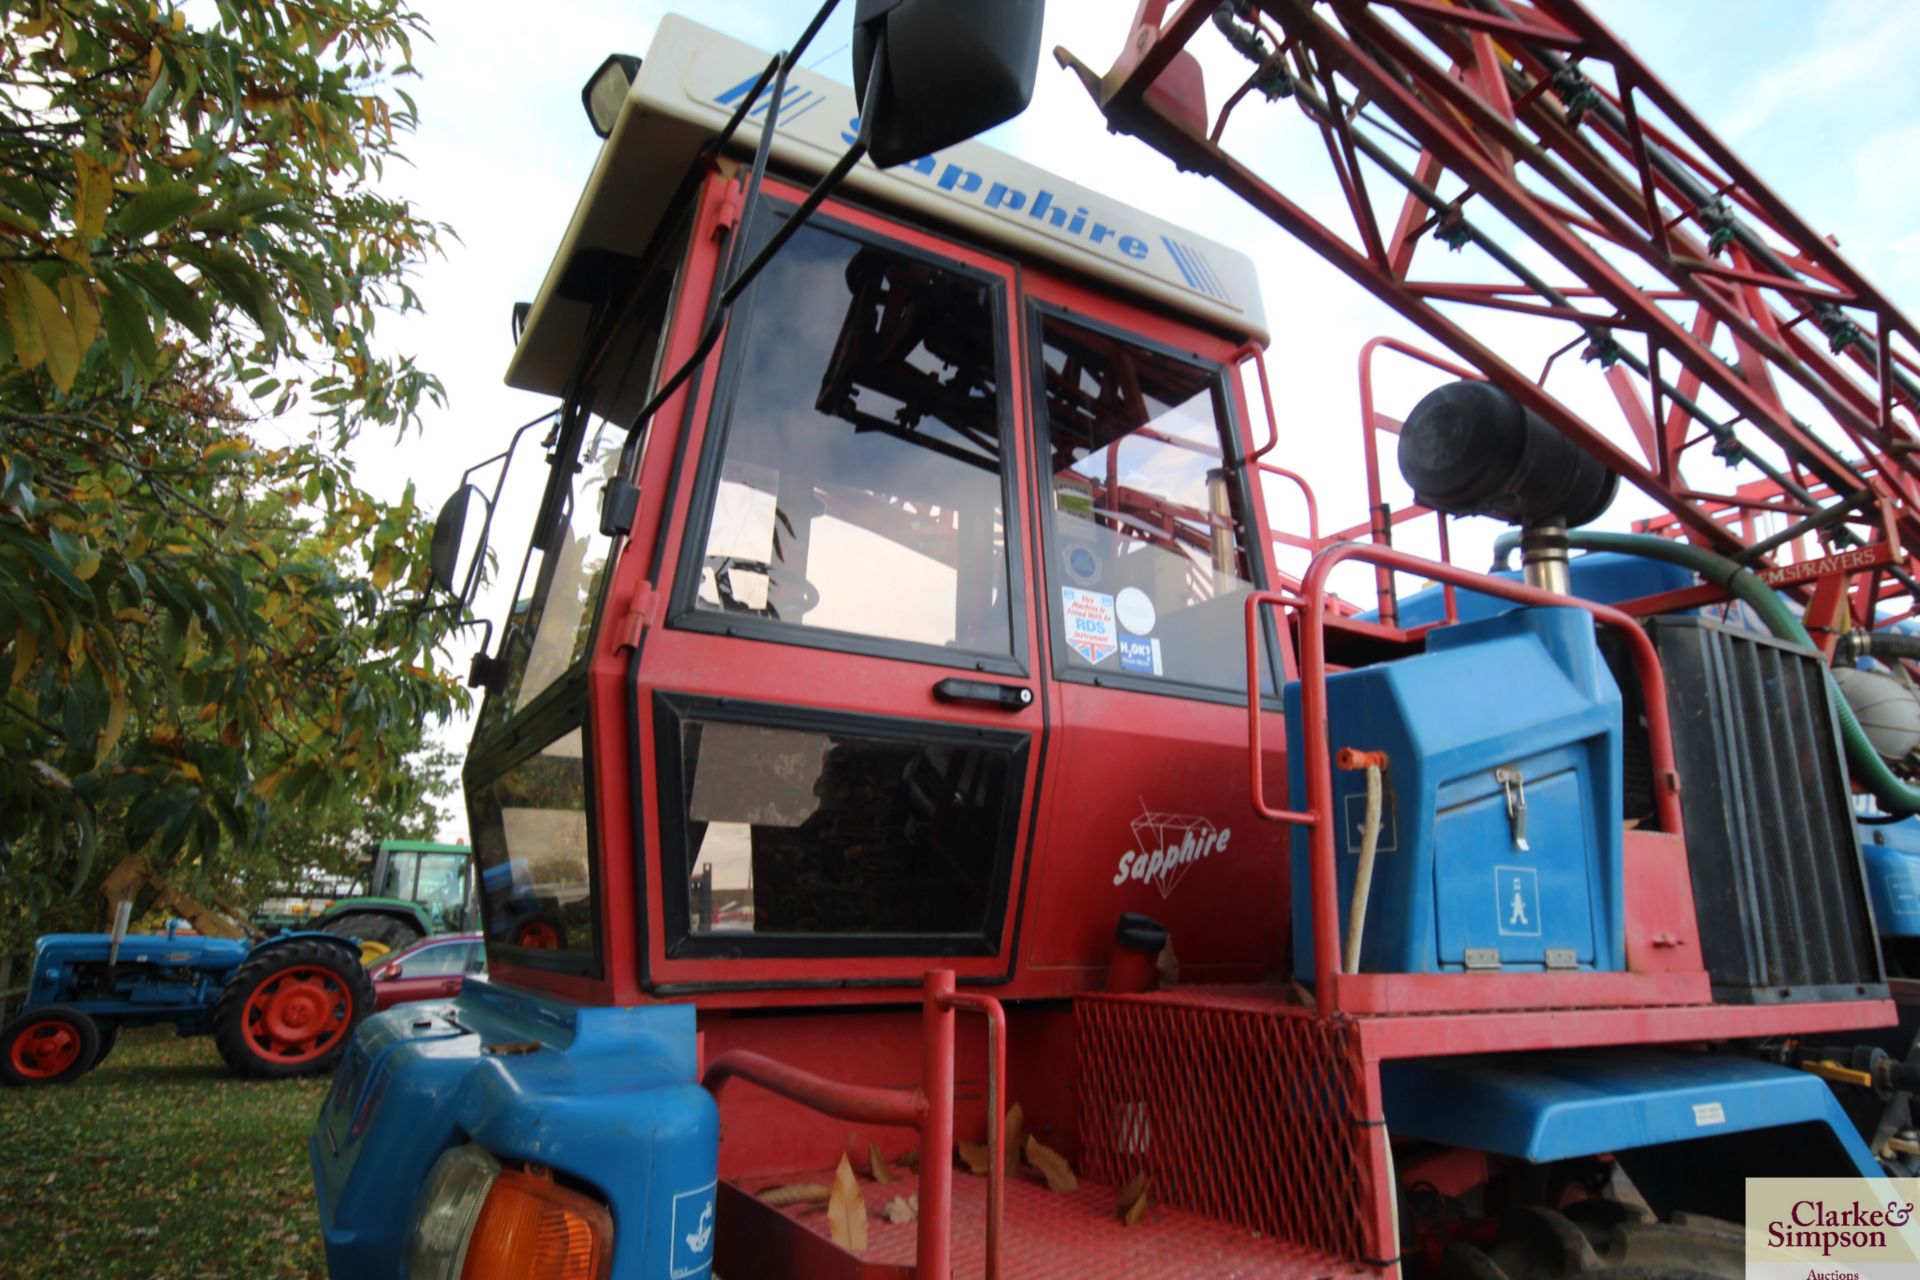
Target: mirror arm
<point>785,232</point>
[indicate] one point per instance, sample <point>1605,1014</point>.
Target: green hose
<point>1893,795</point>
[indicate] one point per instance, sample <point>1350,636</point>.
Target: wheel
<point>1603,1239</point>
<point>541,932</point>
<point>109,1035</point>
<point>379,935</point>
<point>290,1010</point>
<point>54,1045</point>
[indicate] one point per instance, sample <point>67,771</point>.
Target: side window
<point>435,962</point>
<point>1147,559</point>
<point>860,489</point>
<point>806,826</point>
<point>551,618</point>
<point>530,844</point>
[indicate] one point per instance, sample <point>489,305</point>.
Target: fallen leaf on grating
<point>977,1156</point>
<point>1134,1199</point>
<point>877,1164</point>
<point>1016,1138</point>
<point>1052,1165</point>
<point>908,1160</point>
<point>795,1193</point>
<point>847,1209</point>
<point>902,1209</point>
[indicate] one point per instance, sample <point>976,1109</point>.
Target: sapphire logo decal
<point>1166,847</point>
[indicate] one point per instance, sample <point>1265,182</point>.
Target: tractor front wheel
<point>290,1010</point>
<point>55,1045</point>
<point>379,935</point>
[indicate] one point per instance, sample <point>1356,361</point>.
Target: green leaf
<point>176,299</point>
<point>160,205</point>
<point>129,336</point>
<point>240,284</point>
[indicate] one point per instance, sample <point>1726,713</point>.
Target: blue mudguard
<point>604,1096</point>
<point>1545,1107</point>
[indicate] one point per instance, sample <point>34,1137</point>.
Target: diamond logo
<point>1170,845</point>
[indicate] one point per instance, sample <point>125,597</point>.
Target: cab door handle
<point>987,693</point>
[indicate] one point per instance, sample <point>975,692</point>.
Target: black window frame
<point>671,711</point>
<point>1052,573</point>
<point>683,611</point>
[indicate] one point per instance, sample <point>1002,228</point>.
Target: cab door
<point>842,722</point>
<point>1151,540</point>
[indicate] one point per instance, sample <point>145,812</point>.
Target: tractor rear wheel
<point>55,1045</point>
<point>379,935</point>
<point>291,1009</point>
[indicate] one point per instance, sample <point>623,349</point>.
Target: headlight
<point>475,1220</point>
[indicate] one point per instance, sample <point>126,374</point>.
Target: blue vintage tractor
<point>285,1006</point>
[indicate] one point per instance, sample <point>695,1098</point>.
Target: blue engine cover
<point>609,1096</point>
<point>1892,852</point>
<point>1452,888</point>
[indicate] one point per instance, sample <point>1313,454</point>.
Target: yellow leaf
<point>116,721</point>
<point>26,647</point>
<point>62,352</point>
<point>92,193</point>
<point>22,321</point>
<point>83,311</point>
<point>265,787</point>
<point>385,566</point>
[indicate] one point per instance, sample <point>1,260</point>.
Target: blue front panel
<point>1892,852</point>
<point>1525,692</point>
<point>608,1096</point>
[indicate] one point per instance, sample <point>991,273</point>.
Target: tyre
<point>109,1035</point>
<point>291,1009</point>
<point>54,1045</point>
<point>539,931</point>
<point>1604,1240</point>
<point>379,935</point>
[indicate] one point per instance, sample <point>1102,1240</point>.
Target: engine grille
<point>1778,883</point>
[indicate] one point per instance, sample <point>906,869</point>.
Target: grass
<point>159,1164</point>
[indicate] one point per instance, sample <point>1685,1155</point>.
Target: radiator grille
<point>1241,1111</point>
<point>1777,878</point>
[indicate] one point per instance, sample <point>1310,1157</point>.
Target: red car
<point>429,968</point>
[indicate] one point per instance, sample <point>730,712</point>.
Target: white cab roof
<point>689,84</point>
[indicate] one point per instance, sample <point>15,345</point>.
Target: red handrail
<point>1317,756</point>
<point>927,1107</point>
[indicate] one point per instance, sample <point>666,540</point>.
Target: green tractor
<point>413,889</point>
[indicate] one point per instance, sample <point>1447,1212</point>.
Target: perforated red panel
<point>1242,1108</point>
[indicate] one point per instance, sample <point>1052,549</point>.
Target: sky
<point>1817,96</point>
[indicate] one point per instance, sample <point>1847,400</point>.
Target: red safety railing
<point>927,1108</point>
<point>1317,753</point>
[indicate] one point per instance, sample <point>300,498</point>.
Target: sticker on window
<point>1140,656</point>
<point>1091,630</point>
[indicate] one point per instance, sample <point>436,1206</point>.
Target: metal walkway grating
<point>1242,1110</point>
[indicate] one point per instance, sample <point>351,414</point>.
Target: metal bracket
<point>1508,776</point>
<point>1478,958</point>
<point>1562,958</point>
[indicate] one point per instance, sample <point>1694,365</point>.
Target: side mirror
<point>944,71</point>
<point>394,971</point>
<point>450,563</point>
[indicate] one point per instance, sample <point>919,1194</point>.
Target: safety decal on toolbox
<point>692,1233</point>
<point>1516,893</point>
<point>1091,630</point>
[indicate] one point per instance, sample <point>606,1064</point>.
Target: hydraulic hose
<point>1893,795</point>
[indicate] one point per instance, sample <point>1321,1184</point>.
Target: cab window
<point>859,495</point>
<point>1147,559</point>
<point>530,844</point>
